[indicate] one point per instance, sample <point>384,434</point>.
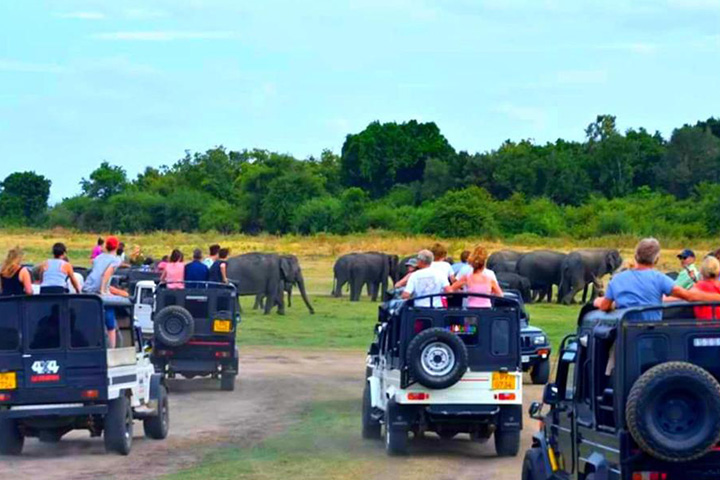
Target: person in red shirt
<point>710,269</point>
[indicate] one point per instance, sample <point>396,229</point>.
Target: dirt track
<point>202,415</point>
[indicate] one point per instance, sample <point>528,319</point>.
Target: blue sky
<point>137,83</point>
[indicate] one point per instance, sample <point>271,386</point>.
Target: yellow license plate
<point>222,326</point>
<point>8,381</point>
<point>503,381</point>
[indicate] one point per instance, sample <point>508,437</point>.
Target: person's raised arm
<point>223,272</point>
<point>70,272</point>
<point>26,281</point>
<point>107,276</point>
<point>694,295</point>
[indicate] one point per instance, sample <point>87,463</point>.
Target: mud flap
<point>510,417</point>
<point>599,466</point>
<point>542,464</point>
<point>398,417</point>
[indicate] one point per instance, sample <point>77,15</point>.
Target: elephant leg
<point>258,302</point>
<point>549,293</point>
<point>355,290</point>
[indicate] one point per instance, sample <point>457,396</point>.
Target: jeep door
<point>562,415</point>
<point>44,357</point>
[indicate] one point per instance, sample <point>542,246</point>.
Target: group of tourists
<point>431,274</point>
<point>177,274</point>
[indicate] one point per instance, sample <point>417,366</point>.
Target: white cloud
<point>581,77</point>
<point>642,48</point>
<point>25,67</point>
<point>532,115</point>
<point>83,15</point>
<point>164,36</point>
<point>144,13</point>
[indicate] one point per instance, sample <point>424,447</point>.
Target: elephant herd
<point>534,274</point>
<point>570,273</point>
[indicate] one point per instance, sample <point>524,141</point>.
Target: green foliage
<point>321,214</point>
<point>105,181</point>
<point>221,217</point>
<point>468,212</point>
<point>23,198</point>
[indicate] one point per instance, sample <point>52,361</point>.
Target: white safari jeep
<point>447,370</point>
<point>57,373</point>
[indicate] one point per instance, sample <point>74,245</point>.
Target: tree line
<point>407,178</point>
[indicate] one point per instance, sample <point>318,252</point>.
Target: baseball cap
<point>111,243</point>
<point>686,253</point>
<point>411,262</point>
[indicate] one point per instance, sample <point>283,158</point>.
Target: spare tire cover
<point>174,326</point>
<point>437,358</point>
<point>673,412</point>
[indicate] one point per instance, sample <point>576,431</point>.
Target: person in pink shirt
<point>98,249</point>
<point>477,282</point>
<point>174,273</point>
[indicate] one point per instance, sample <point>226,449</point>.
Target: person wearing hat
<point>411,265</point>
<point>689,275</point>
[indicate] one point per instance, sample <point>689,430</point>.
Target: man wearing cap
<point>426,281</point>
<point>689,274</point>
<point>98,281</point>
<point>411,265</point>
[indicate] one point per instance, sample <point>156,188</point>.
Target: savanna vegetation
<point>407,178</point>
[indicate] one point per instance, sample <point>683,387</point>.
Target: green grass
<point>341,324</point>
<point>315,447</point>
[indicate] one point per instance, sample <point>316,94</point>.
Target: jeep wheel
<point>532,457</point>
<point>673,412</point>
<point>437,358</point>
<point>507,442</point>
<point>396,437</point>
<point>157,427</point>
<point>174,326</point>
<point>371,428</point>
<point>227,381</point>
<point>119,426</point>
<point>540,373</point>
<point>11,440</point>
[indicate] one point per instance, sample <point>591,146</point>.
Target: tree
<point>693,156</point>
<point>285,194</point>
<point>105,181</point>
<point>384,155</point>
<point>24,197</point>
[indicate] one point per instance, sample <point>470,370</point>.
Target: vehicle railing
<point>495,301</point>
<point>197,285</point>
<point>626,314</point>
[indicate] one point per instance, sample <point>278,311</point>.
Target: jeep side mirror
<point>374,349</point>
<point>534,409</point>
<point>550,394</point>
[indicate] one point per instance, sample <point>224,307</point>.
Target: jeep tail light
<point>418,396</point>
<point>90,394</point>
<point>649,476</point>
<point>222,354</point>
<point>543,352</point>
<point>4,397</point>
<point>505,396</point>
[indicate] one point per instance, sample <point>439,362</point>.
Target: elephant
<point>502,257</point>
<point>370,268</point>
<point>517,282</point>
<point>291,274</point>
<point>583,267</point>
<point>504,267</point>
<point>543,269</point>
<point>264,274</point>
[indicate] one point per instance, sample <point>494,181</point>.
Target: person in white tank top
<point>56,272</point>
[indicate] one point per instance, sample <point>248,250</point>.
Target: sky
<point>136,83</point>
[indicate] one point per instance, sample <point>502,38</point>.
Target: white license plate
<point>525,358</point>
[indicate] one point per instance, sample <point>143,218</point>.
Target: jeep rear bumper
<point>63,410</point>
<point>461,417</point>
<point>530,358</point>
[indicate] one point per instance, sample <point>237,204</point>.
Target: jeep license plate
<point>222,326</point>
<point>503,381</point>
<point>8,381</point>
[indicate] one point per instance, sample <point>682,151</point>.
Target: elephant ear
<point>285,269</point>
<point>613,260</point>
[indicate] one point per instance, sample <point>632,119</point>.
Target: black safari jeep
<point>195,331</point>
<point>534,344</point>
<point>445,370</point>
<point>57,373</point>
<point>633,399</point>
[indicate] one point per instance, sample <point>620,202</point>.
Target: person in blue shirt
<point>646,286</point>
<point>196,271</point>
<point>457,266</point>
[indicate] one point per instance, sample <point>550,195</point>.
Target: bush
<point>468,212</point>
<point>132,212</point>
<point>317,215</point>
<point>221,217</point>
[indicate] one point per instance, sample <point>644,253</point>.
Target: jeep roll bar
<point>495,300</point>
<point>589,312</point>
<point>198,285</point>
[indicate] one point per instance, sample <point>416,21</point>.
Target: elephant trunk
<point>301,286</point>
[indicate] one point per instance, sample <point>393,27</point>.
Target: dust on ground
<point>273,387</point>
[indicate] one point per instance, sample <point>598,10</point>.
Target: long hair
<point>176,256</point>
<point>12,262</point>
<point>478,257</point>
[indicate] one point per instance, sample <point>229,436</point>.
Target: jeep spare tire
<point>174,326</point>
<point>437,358</point>
<point>673,412</point>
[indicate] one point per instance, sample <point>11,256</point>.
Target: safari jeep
<point>534,345</point>
<point>195,330</point>
<point>445,370</point>
<point>633,400</point>
<point>57,373</point>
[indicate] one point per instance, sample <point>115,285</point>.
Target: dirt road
<point>202,416</point>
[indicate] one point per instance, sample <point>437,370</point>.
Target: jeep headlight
<point>539,340</point>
